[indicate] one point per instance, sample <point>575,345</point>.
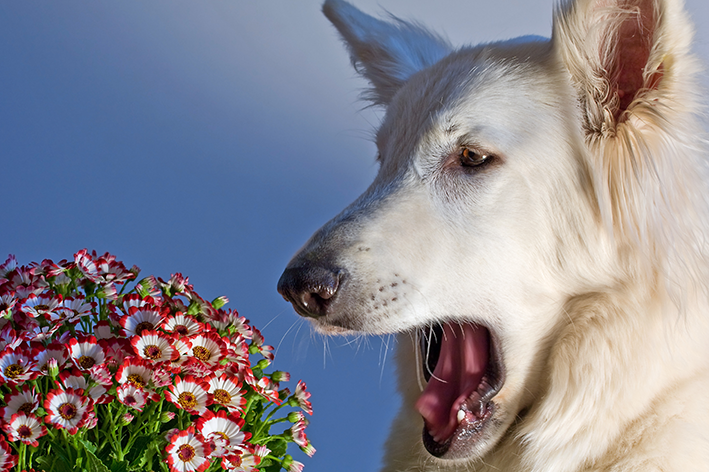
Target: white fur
<point>583,247</point>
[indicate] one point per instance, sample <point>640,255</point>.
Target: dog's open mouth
<point>463,369</point>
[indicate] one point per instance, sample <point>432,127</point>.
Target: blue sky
<point>212,138</point>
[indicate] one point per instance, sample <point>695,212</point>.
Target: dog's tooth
<point>461,415</point>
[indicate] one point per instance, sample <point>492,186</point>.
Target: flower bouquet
<point>99,377</point>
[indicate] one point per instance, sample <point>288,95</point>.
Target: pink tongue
<point>461,366</point>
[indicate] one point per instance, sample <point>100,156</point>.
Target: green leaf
<point>278,447</point>
<point>119,466</point>
<point>93,463</point>
<point>55,464</point>
<point>88,445</point>
<point>138,447</point>
<point>275,467</point>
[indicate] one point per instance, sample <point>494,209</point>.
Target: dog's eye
<point>470,158</point>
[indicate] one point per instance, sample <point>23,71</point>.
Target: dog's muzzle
<point>310,289</point>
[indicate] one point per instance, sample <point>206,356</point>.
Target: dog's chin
<point>463,366</point>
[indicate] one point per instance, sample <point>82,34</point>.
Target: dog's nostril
<point>310,289</point>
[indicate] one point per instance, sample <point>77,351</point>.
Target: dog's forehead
<point>471,89</point>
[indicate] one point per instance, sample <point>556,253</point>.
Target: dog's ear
<point>632,68</point>
<point>621,55</point>
<point>385,53</point>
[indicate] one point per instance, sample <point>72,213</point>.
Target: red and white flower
<point>7,459</point>
<point>67,409</point>
<point>297,431</point>
<point>25,401</point>
<point>86,352</point>
<point>42,305</point>
<point>226,391</point>
<point>187,452</point>
<point>75,379</point>
<point>301,396</point>
<point>189,394</point>
<point>208,348</point>
<point>141,319</point>
<point>182,325</point>
<point>76,308</point>
<point>25,428</point>
<point>133,396</point>
<point>154,347</point>
<point>135,371</point>
<point>17,365</point>
<point>52,351</point>
<point>223,431</point>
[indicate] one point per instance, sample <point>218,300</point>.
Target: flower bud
<point>295,416</point>
<point>166,416</point>
<point>53,368</point>
<point>126,419</point>
<point>280,376</point>
<point>219,302</point>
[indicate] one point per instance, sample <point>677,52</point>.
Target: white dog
<point>537,234</point>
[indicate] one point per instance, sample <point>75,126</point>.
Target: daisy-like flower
<point>226,391</point>
<point>9,266</point>
<point>189,394</point>
<point>257,345</point>
<point>154,347</point>
<point>112,270</point>
<point>266,389</point>
<point>300,398</point>
<point>9,337</point>
<point>76,380</point>
<point>133,300</point>
<point>76,307</point>
<point>134,371</point>
<point>297,431</point>
<point>242,461</point>
<point>222,430</point>
<point>67,409</point>
<point>25,401</point>
<point>187,453</point>
<point>24,282</point>
<point>141,319</point>
<point>52,351</point>
<point>86,352</point>
<point>293,465</point>
<point>7,459</point>
<point>182,325</point>
<point>43,305</point>
<point>237,351</point>
<point>7,303</point>
<point>177,284</point>
<point>25,428</point>
<point>207,347</point>
<point>17,365</point>
<point>132,396</point>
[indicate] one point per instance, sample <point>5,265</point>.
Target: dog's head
<point>489,210</point>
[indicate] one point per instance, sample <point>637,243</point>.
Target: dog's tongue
<point>461,366</point>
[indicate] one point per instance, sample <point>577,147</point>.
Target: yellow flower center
<point>86,362</point>
<point>152,352</point>
<point>186,453</point>
<point>187,400</point>
<point>222,396</point>
<point>201,353</point>
<point>67,410</point>
<point>13,371</point>
<point>136,380</point>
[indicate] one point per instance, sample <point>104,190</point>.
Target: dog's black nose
<point>310,289</point>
